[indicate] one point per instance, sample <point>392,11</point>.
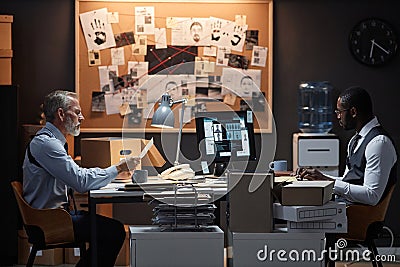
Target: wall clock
<point>373,42</point>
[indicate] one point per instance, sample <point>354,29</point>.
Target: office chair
<point>365,223</point>
<point>45,228</point>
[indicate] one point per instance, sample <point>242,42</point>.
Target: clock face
<point>373,42</point>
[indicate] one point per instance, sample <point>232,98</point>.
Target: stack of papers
<point>183,216</point>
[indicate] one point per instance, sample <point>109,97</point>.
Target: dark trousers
<point>110,237</point>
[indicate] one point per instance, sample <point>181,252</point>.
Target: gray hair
<point>55,100</point>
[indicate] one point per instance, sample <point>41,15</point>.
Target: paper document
<point>146,148</point>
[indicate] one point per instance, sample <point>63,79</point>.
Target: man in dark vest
<point>371,154</point>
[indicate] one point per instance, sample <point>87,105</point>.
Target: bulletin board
<point>258,18</point>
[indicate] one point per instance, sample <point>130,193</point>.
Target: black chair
<point>45,228</point>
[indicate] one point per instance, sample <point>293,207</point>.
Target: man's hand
<point>311,174</point>
<point>128,164</point>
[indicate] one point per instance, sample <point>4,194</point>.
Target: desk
<point>111,194</point>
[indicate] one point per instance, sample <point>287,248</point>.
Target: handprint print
<point>100,36</point>
<point>216,30</point>
<point>237,35</point>
<point>98,32</point>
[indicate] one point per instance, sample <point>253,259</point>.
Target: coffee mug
<point>139,176</point>
<point>219,169</point>
<point>278,165</point>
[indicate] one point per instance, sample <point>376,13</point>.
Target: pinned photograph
<point>251,39</point>
<point>238,61</point>
<point>94,57</point>
<point>140,45</point>
<point>124,38</point>
<point>144,20</point>
<point>98,102</point>
<point>259,56</point>
<point>141,99</point>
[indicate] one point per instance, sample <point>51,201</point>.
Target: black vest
<point>357,162</point>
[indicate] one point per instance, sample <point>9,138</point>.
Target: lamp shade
<point>164,117</point>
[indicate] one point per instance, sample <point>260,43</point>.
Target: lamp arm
<point>183,101</point>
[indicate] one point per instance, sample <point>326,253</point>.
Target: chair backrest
<point>56,224</point>
<point>360,217</point>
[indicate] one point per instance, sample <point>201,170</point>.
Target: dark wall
<point>9,218</point>
<point>310,43</point>
<point>43,42</point>
<point>44,58</point>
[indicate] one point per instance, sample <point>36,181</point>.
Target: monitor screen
<point>225,136</point>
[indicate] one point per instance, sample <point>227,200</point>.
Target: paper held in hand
<point>146,148</point>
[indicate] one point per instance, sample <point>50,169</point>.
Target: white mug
<point>139,176</point>
<point>278,165</point>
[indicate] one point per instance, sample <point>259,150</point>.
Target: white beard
<point>72,129</point>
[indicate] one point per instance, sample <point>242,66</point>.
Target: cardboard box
<point>43,257</point>
<point>71,255</point>
<point>5,66</point>
<point>328,211</point>
<point>307,193</point>
<point>105,151</point>
<point>5,31</point>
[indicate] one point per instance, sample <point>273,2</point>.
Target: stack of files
<point>182,216</point>
<point>328,218</point>
<point>180,198</point>
<point>153,186</point>
<point>149,186</point>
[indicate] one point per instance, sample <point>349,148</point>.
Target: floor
<point>338,264</point>
<point>359,264</point>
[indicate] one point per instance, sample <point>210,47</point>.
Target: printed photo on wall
<point>238,61</point>
<point>94,57</point>
<point>241,82</point>
<point>107,75</point>
<point>251,39</point>
<point>98,102</point>
<point>144,20</point>
<point>135,117</point>
<point>124,38</point>
<point>190,31</point>
<point>214,85</point>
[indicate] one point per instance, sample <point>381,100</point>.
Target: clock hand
<point>384,50</point>
<point>372,48</point>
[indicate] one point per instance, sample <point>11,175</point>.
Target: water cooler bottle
<point>315,146</point>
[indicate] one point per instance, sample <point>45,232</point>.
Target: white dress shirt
<point>380,155</point>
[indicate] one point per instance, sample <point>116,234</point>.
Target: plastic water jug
<point>315,107</point>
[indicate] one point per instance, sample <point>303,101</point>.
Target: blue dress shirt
<point>46,186</point>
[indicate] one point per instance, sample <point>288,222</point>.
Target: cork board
<point>258,15</point>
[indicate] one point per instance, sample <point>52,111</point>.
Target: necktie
<point>355,142</point>
<point>66,147</point>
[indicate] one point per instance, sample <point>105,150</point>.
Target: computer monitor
<point>226,136</point>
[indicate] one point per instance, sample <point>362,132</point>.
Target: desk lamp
<point>163,117</point>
